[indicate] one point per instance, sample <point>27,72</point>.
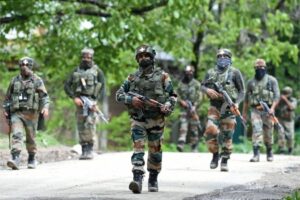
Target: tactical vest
<point>85,82</point>
<point>284,112</point>
<point>189,91</point>
<point>225,80</point>
<point>150,86</point>
<point>24,94</point>
<point>261,91</point>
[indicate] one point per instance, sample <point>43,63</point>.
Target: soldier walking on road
<point>86,81</point>
<point>189,97</point>
<point>221,117</point>
<point>286,115</point>
<point>147,115</point>
<point>26,97</point>
<point>263,87</point>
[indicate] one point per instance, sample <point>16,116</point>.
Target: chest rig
<point>85,82</point>
<point>24,94</point>
<point>189,91</point>
<point>151,86</point>
<point>261,91</point>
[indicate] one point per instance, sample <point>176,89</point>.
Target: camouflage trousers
<point>86,126</point>
<point>187,122</point>
<point>287,139</point>
<point>151,130</point>
<point>262,128</point>
<point>25,121</point>
<point>219,131</point>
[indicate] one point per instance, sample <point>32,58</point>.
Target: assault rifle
<point>88,105</point>
<point>147,100</point>
<point>7,109</point>
<point>192,112</point>
<point>277,125</point>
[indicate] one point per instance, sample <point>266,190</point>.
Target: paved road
<point>108,176</point>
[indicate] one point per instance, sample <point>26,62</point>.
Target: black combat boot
<point>290,151</point>
<point>136,185</point>
<point>194,148</point>
<point>15,161</point>
<point>269,153</point>
<point>152,181</point>
<point>224,166</point>
<point>214,161</point>
<point>180,146</point>
<point>84,148</point>
<point>31,161</point>
<point>89,151</point>
<point>256,154</point>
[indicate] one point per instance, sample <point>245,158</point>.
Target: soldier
<point>263,87</point>
<point>286,114</point>
<point>26,97</point>
<point>86,81</point>
<point>189,97</point>
<point>148,120</point>
<point>221,117</point>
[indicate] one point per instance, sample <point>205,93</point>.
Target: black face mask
<point>260,73</point>
<point>223,63</point>
<point>145,63</point>
<point>86,64</point>
<point>187,78</point>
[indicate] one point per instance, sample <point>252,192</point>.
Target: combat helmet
<point>225,52</point>
<point>145,49</point>
<point>287,90</point>
<point>27,61</point>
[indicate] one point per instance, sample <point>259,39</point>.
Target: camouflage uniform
<point>147,123</point>
<point>189,92</point>
<point>221,121</point>
<point>27,96</point>
<point>86,80</point>
<point>266,89</point>
<point>286,115</point>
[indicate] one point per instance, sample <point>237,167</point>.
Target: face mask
<point>187,78</point>
<point>86,64</point>
<point>260,73</point>
<point>223,63</point>
<point>144,63</point>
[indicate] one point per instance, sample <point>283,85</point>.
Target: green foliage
<point>294,196</point>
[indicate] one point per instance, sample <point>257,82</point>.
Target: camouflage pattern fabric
<point>287,139</point>
<point>219,131</point>
<point>151,130</point>
<point>262,128</point>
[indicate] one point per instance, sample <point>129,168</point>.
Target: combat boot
<point>214,161</point>
<point>31,161</point>
<point>180,146</point>
<point>290,151</point>
<point>256,154</point>
<point>136,185</point>
<point>152,181</point>
<point>224,166</point>
<point>84,148</point>
<point>89,152</point>
<point>194,148</point>
<point>269,154</point>
<point>15,161</point>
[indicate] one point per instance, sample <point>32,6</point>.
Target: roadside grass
<point>294,196</point>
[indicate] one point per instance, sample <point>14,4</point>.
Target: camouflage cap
<point>287,90</point>
<point>87,51</point>
<point>29,62</point>
<point>226,52</point>
<point>260,62</point>
<point>145,49</point>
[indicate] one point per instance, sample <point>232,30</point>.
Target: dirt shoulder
<point>274,185</point>
<point>44,155</point>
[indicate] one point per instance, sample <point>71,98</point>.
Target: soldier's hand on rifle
<point>137,103</point>
<point>234,109</point>
<point>271,111</point>
<point>183,103</point>
<point>166,108</point>
<point>45,112</point>
<point>78,102</point>
<point>213,94</point>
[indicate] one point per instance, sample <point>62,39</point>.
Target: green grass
<point>294,196</point>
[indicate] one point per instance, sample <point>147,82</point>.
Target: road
<point>108,175</point>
